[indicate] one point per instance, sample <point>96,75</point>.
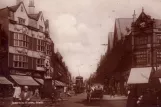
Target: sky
<point>80,27</point>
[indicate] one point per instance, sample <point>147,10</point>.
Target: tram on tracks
<point>79,86</point>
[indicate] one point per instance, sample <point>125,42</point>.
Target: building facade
<point>28,43</point>
<point>146,41</point>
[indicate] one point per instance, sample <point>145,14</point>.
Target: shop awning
<point>139,75</point>
<point>41,81</point>
<point>24,80</point>
<point>5,81</point>
<point>59,83</point>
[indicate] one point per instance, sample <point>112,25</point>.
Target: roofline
<point>39,13</point>
<point>4,8</point>
<point>123,18</point>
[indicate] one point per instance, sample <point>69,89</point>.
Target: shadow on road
<point>94,102</point>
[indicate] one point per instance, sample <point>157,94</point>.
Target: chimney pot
<point>31,7</point>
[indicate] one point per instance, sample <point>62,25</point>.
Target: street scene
<point>80,53</point>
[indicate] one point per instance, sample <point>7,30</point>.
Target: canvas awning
<point>59,83</point>
<point>139,75</point>
<point>41,81</point>
<point>5,81</point>
<point>24,80</point>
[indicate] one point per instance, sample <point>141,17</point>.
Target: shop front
<point>6,91</point>
<point>5,87</point>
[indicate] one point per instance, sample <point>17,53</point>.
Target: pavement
<point>116,97</point>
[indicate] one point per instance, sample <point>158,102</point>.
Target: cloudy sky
<point>79,27</point>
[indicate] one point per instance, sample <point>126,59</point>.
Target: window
<point>159,38</point>
<point>141,58</point>
<point>48,49</point>
<point>21,40</point>
<point>141,40</point>
<point>158,57</point>
<point>21,21</point>
<point>41,18</point>
<point>41,28</point>
<point>20,61</point>
<point>21,8</point>
<point>40,45</point>
<point>11,15</point>
<point>40,62</point>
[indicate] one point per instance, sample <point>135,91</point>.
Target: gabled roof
<point>35,16</point>
<point>122,26</point>
<point>32,16</point>
<point>14,8</point>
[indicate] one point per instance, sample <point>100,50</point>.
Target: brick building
<point>27,43</point>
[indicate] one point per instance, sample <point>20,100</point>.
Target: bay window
<point>40,45</point>
<point>48,49</point>
<point>21,40</point>
<point>40,62</point>
<point>20,61</point>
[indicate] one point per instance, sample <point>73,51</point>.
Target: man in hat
<point>25,94</point>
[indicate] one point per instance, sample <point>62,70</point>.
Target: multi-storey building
<point>145,48</point>
<point>28,41</point>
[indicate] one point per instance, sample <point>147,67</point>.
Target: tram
<point>79,87</point>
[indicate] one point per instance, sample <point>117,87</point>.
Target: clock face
<point>142,24</point>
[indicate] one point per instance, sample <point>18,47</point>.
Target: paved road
<point>80,101</point>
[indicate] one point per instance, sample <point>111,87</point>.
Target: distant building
<point>121,29</point>
<point>110,41</point>
<point>28,42</point>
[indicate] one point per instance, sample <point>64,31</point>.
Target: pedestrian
<point>17,92</point>
<point>25,95</point>
<point>112,92</point>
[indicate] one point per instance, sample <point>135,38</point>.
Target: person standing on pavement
<point>17,92</point>
<point>25,95</point>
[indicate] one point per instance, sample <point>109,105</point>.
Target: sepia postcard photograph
<point>80,53</point>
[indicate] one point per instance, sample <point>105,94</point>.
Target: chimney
<point>31,7</point>
<point>19,1</point>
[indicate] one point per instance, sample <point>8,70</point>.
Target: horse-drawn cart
<point>95,93</point>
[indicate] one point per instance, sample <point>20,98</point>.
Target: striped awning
<point>24,80</point>
<point>5,81</point>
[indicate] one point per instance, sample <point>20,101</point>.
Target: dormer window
<point>11,15</point>
<point>41,28</point>
<point>21,8</point>
<point>41,18</point>
<point>21,21</point>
